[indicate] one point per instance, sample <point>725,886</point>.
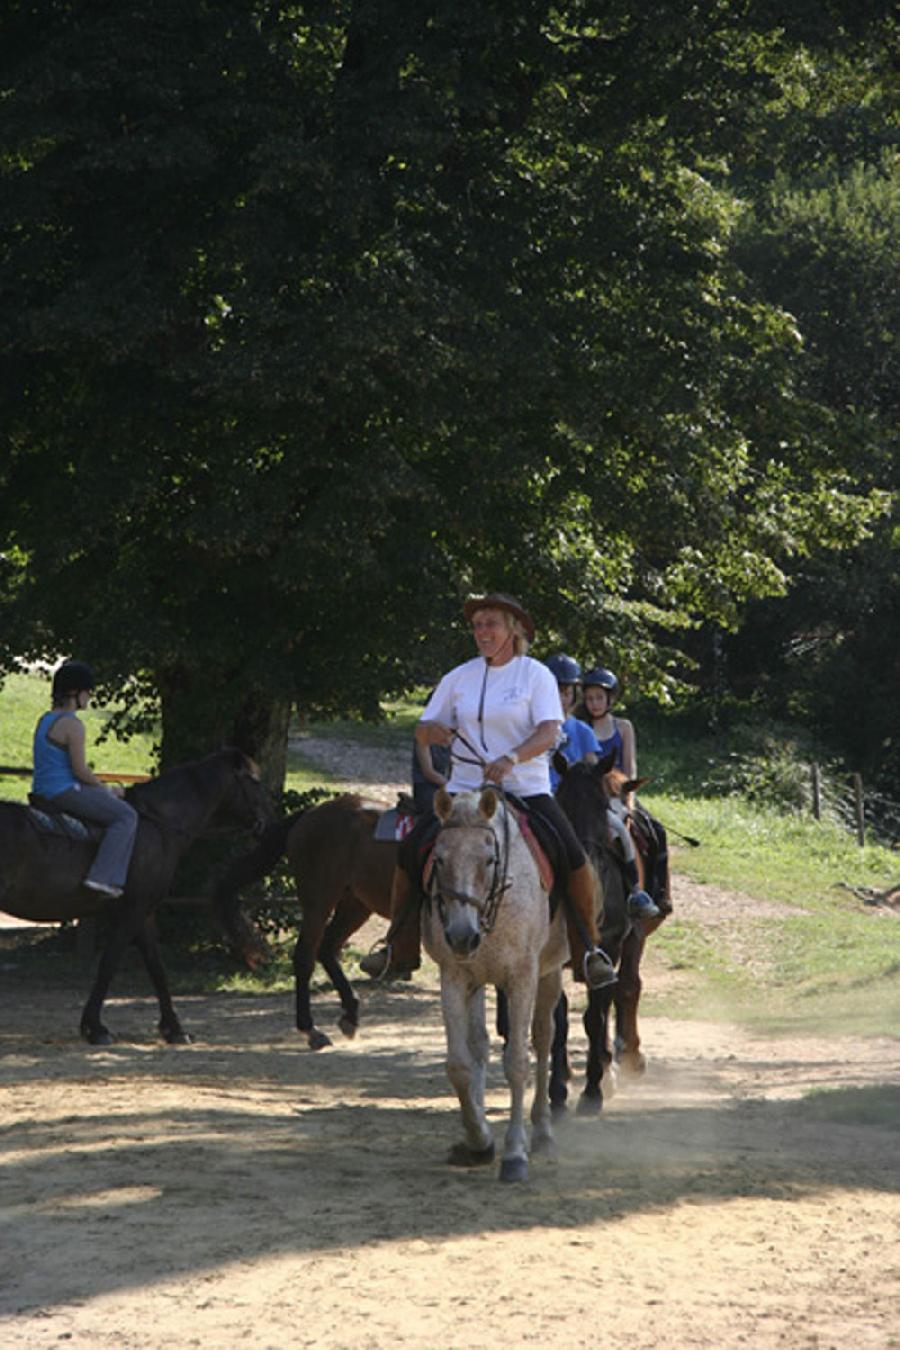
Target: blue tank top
<point>52,766</point>
<point>613,742</point>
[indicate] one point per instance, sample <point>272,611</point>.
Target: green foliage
<point>315,318</point>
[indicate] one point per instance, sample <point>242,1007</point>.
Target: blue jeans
<point>100,807</point>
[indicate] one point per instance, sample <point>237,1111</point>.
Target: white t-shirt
<point>513,699</point>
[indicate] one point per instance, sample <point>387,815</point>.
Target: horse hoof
<point>514,1169</point>
<point>460,1155</point>
<point>589,1104</point>
<point>633,1062</point>
<point>98,1035</point>
<point>176,1036</point>
<point>559,1108</point>
<point>317,1040</point>
<point>348,1026</point>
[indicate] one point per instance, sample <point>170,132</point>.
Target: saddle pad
<point>537,852</point>
<point>59,823</point>
<point>393,825</point>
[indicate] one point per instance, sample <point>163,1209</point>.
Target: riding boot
<point>590,964</point>
<point>401,952</point>
<point>639,904</point>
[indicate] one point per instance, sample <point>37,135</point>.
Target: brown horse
<point>43,861</point>
<point>343,875</point>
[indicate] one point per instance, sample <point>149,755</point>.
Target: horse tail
<point>245,938</point>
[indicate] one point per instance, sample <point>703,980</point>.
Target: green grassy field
<point>804,953</point>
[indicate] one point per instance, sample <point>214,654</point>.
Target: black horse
<point>584,794</point>
<point>41,869</point>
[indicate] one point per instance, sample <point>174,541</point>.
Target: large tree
<point>316,316</point>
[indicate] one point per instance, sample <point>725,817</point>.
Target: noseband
<point>486,905</point>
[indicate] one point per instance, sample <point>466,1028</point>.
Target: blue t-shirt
<point>577,741</point>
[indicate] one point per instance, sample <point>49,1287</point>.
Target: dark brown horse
<point>584,793</point>
<point>342,873</point>
<point>42,868</point>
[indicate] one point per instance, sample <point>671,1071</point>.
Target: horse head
<point>470,858</point>
<point>246,802</point>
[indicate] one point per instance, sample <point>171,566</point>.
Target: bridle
<point>487,905</point>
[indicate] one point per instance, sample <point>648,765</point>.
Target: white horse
<point>489,923</point>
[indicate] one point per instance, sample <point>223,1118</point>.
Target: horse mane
<point>193,770</point>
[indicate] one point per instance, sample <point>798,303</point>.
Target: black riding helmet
<point>71,678</point>
<point>565,669</point>
<point>603,678</point>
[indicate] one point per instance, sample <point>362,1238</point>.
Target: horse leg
<point>543,1027</point>
<point>467,1051</point>
<point>560,1070</point>
<point>599,1059</point>
<point>169,1026</point>
<point>349,916</point>
<point>312,927</point>
<point>521,994</point>
<point>627,996</point>
<point>124,932</point>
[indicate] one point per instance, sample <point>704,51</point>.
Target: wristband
<point>511,755</point>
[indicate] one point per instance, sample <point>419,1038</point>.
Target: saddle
<point>49,819</point>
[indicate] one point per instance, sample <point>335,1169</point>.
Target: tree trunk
<point>198,718</point>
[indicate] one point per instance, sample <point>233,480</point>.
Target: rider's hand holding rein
<point>542,739</point>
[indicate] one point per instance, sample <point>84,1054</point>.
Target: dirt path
<point>246,1192</point>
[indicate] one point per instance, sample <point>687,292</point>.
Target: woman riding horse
<point>62,778</point>
<point>503,710</point>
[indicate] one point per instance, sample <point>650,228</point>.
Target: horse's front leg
<point>599,1060</point>
<point>312,926</point>
<point>349,916</point>
<point>467,1051</point>
<point>543,1030</point>
<point>560,1070</point>
<point>170,1027</point>
<point>521,994</point>
<point>627,996</point>
<point>125,930</point>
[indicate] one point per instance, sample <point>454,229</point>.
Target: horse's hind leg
<point>349,916</point>
<point>543,1034</point>
<point>170,1027</point>
<point>521,994</point>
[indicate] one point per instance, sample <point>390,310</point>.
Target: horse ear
<point>632,785</point>
<point>560,763</point>
<point>487,802</point>
<point>443,804</point>
<point>604,765</point>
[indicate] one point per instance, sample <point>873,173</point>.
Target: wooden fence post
<point>816,792</point>
<point>858,810</point>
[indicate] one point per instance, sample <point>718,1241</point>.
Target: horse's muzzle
<point>462,939</point>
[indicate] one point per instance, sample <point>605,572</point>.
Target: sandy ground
<point>244,1191</point>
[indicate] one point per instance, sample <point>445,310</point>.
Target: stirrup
<point>377,963</point>
<point>604,973</point>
